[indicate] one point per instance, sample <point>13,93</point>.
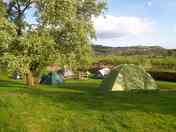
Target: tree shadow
<point>89,98</point>
<point>12,84</point>
<point>84,87</point>
<point>162,102</point>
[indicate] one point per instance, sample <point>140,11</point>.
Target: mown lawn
<point>78,106</point>
<point>167,85</point>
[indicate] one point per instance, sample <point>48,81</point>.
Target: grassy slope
<point>78,106</point>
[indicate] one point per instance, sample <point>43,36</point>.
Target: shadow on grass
<point>88,98</point>
<point>149,102</point>
<point>12,84</point>
<point>84,87</point>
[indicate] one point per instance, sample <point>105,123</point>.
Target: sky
<point>137,22</point>
<point>134,23</point>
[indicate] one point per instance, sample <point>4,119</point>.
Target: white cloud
<point>126,31</point>
<point>116,27</point>
<point>6,1</point>
<point>149,3</point>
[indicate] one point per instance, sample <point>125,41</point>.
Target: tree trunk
<point>30,80</point>
<point>19,31</point>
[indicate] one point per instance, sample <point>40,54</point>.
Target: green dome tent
<point>128,77</point>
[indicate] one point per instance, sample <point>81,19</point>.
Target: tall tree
<point>65,30</point>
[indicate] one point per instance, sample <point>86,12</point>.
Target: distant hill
<point>133,50</point>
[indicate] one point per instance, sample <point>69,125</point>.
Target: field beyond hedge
<point>78,106</point>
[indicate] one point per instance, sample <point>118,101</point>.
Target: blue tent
<point>52,78</point>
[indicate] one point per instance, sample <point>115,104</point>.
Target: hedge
<point>163,76</point>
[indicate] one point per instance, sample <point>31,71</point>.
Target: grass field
<point>78,106</point>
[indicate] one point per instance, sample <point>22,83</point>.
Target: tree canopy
<point>7,30</point>
<point>64,30</point>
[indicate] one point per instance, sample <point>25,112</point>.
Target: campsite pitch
<point>77,106</point>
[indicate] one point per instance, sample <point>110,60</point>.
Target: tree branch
<point>18,6</point>
<point>28,3</point>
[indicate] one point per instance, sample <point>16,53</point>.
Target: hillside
<point>135,50</point>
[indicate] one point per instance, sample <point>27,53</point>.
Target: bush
<point>163,76</point>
